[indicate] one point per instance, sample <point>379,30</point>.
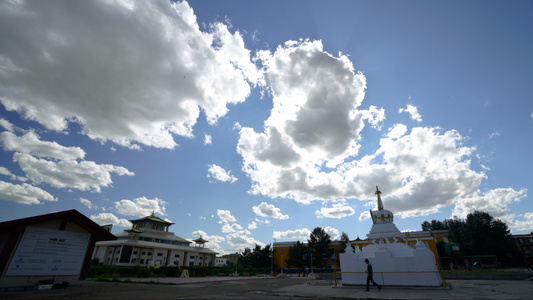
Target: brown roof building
<point>51,248</point>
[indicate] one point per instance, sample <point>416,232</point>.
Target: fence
<point>440,271</point>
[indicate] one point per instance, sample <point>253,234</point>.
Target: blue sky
<point>249,121</point>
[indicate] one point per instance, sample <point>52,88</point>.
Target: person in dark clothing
<point>370,276</point>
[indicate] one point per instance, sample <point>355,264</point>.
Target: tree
<point>479,234</point>
<point>343,242</point>
<point>256,258</point>
<point>245,258</point>
<point>296,256</point>
<point>262,257</point>
<point>434,225</point>
<point>318,242</point>
<point>487,235</point>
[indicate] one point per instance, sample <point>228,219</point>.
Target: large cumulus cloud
<point>309,148</point>
<point>314,121</point>
<point>133,72</point>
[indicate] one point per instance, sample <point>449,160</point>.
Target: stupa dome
<point>381,216</point>
<point>383,227</point>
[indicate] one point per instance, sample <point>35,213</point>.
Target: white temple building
<point>149,243</point>
<point>393,261</point>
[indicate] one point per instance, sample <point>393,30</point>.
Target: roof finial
<point>380,204</point>
<point>153,211</point>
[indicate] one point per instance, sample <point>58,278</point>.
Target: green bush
<point>142,272</point>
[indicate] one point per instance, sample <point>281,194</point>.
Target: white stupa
<point>394,262</point>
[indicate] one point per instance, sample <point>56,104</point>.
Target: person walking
<point>370,276</point>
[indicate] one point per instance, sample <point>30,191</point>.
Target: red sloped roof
<point>98,233</point>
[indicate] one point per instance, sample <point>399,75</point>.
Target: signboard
<point>44,251</point>
<point>185,274</point>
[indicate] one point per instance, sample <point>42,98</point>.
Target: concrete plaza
<point>275,288</point>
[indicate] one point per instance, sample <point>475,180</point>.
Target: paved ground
<point>276,288</point>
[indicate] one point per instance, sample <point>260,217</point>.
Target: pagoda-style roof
<point>134,229</point>
<point>152,218</point>
<point>200,240</point>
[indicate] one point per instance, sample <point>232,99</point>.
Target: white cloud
<point>213,241</point>
<point>218,173</point>
<point>314,121</point>
<point>31,144</point>
<point>364,216</point>
<point>266,221</point>
<point>421,172</point>
<point>397,131</point>
<point>298,234</point>
<point>7,125</point>
<point>226,228</point>
<point>523,222</point>
<point>88,203</point>
<point>109,218</point>
<point>5,171</point>
<point>205,236</point>
<point>84,175</point>
<point>225,216</point>
<point>494,134</point>
<point>137,72</point>
<point>242,238</point>
<point>57,165</point>
<point>252,225</point>
<point>141,207</point>
<point>413,111</point>
<point>495,202</point>
<point>268,210</point>
<point>24,193</point>
<point>207,139</point>
<point>338,211</point>
<point>333,232</point>
<point>374,116</point>
<point>485,167</point>
<point>308,149</point>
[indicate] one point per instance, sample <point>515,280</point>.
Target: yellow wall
<point>411,239</point>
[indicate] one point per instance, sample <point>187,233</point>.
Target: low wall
<point>489,276</point>
<point>464,276</point>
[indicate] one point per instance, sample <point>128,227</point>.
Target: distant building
<point>524,243</point>
<point>429,238</point>
<point>149,243</point>
<point>232,257</point>
<point>221,262</point>
<point>48,249</point>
